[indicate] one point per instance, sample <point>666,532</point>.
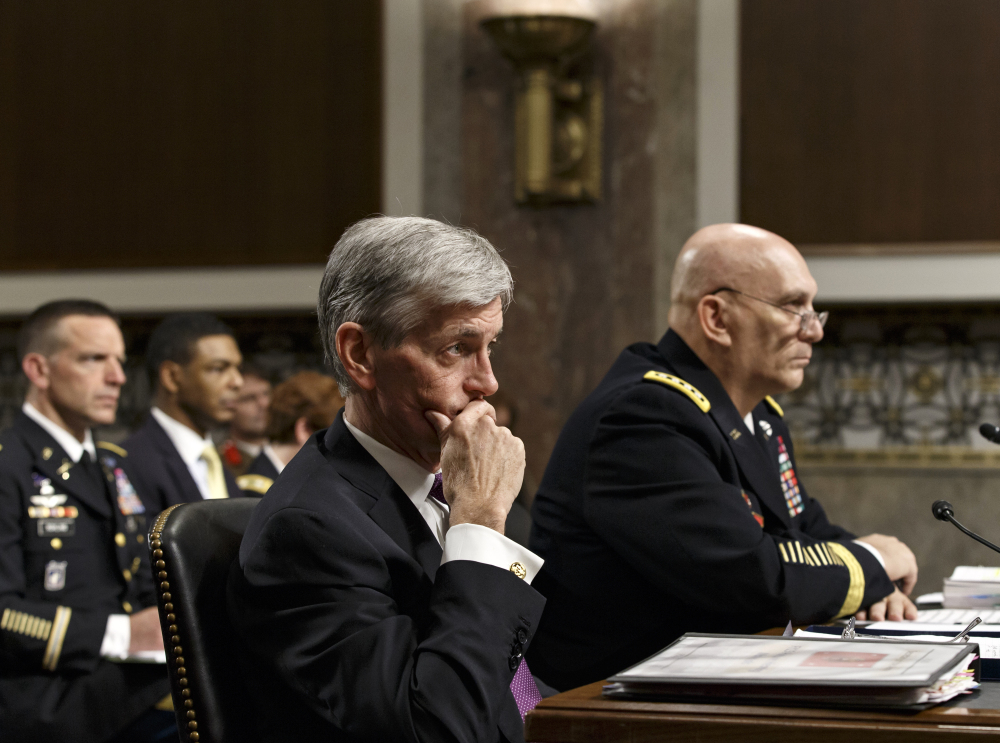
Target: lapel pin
<point>47,453</point>
<point>735,434</point>
<point>765,428</point>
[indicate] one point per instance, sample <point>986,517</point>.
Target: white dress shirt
<point>459,542</point>
<point>878,555</point>
<point>273,458</point>
<point>118,630</point>
<point>190,446</point>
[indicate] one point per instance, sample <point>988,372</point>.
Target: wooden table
<point>584,716</point>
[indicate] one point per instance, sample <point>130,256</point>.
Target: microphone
<point>943,511</point>
<point>990,432</point>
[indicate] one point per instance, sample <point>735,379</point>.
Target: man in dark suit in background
<point>75,585</point>
<point>376,599</point>
<point>193,363</point>
<point>671,501</point>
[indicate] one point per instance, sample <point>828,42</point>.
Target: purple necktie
<point>523,685</point>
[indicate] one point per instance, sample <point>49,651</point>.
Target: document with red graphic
<point>803,670</point>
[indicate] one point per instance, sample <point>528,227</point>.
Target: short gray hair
<point>388,273</point>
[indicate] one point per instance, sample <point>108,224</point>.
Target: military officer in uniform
<point>76,592</point>
<point>300,406</point>
<point>671,502</point>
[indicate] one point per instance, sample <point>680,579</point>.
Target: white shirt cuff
<point>117,637</point>
<point>878,555</point>
<point>482,544</point>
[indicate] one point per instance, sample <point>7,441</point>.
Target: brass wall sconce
<point>558,107</point>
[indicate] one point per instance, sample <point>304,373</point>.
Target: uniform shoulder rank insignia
<point>112,448</point>
<point>256,483</point>
<point>774,406</point>
<point>681,386</point>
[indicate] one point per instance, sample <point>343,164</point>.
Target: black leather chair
<point>191,548</point>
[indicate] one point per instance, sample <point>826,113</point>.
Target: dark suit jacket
<point>159,473</point>
<point>352,629</point>
<point>656,518</point>
<point>72,552</point>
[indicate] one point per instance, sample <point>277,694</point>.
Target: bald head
<point>736,256</point>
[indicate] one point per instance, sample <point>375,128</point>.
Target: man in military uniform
<point>75,587</point>
<point>671,502</point>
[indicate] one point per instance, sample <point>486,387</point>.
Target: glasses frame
<point>806,319</point>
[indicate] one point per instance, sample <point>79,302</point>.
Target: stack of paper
<point>812,671</point>
<point>972,587</point>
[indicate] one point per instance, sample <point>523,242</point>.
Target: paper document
<point>972,586</point>
<point>960,616</point>
<point>989,647</point>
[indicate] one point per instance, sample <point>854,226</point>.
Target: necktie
<point>216,480</point>
<point>523,685</point>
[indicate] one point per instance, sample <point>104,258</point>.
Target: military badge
<point>55,575</point>
<point>128,502</point>
<point>765,428</point>
<point>789,480</point>
<point>43,484</point>
<point>756,516</point>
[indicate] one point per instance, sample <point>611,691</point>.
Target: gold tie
<point>216,480</point>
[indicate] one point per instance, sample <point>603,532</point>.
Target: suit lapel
<point>753,458</point>
<point>178,471</point>
<point>393,511</point>
<point>65,475</point>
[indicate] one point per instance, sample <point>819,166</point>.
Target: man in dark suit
<point>193,363</point>
<point>76,591</point>
<point>376,599</point>
<point>671,502</point>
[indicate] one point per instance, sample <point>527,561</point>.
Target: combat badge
<point>55,575</point>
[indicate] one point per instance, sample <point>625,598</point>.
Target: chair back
<point>192,546</point>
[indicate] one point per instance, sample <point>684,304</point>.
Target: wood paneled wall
<point>185,133</point>
<point>867,121</point>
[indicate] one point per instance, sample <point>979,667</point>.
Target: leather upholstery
<point>192,546</point>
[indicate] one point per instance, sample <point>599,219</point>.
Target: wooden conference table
<point>584,716</point>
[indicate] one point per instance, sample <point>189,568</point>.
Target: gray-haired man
<point>378,602</point>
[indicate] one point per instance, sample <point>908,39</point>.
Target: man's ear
<point>712,317</point>
<point>354,347</point>
<point>302,430</point>
<point>36,369</point>
<point>170,376</point>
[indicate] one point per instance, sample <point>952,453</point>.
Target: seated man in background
<point>671,502</point>
<point>193,364</point>
<point>303,404</point>
<point>247,433</point>
<point>75,584</point>
<point>375,594</point>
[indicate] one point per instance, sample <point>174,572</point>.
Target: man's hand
<point>900,563</point>
<point>146,635</point>
<point>482,464</point>
<point>895,607</point>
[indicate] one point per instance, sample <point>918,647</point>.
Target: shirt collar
<point>749,421</point>
<point>186,440</point>
<point>73,448</point>
<point>412,479</point>
<point>268,452</point>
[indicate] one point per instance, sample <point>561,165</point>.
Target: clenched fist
<point>482,465</point>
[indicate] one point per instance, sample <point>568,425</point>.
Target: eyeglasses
<point>806,319</point>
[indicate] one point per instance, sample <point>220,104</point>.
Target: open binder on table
<point>802,670</point>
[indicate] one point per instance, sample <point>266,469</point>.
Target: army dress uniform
<point>72,552</point>
<point>661,512</point>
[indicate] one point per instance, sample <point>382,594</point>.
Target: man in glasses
<point>671,502</point>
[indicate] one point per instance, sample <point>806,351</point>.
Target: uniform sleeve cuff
<point>117,637</point>
<point>482,544</point>
<point>875,552</point>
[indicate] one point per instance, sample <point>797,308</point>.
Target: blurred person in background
<point>300,406</point>
<point>247,432</point>
<point>193,363</point>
